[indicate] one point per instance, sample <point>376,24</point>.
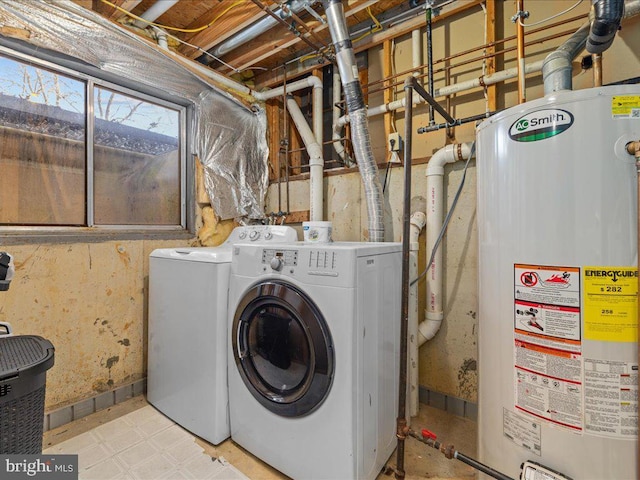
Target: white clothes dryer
<point>314,357</point>
<point>187,347</point>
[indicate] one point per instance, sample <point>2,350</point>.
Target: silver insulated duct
<point>357,110</point>
<point>607,16</point>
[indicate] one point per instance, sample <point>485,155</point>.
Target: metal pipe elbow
<point>607,17</point>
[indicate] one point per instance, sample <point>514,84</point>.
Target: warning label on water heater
<point>548,343</point>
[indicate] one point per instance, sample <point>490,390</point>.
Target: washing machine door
<point>283,348</point>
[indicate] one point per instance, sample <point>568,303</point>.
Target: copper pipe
<point>487,45</point>
<point>475,59</point>
<point>597,69</point>
<point>522,94</point>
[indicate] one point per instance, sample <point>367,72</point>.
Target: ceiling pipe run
<point>259,27</point>
<point>154,12</point>
<point>356,107</point>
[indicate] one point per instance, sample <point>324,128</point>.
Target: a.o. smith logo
<point>540,125</point>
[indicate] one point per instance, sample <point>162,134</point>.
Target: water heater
<point>557,227</point>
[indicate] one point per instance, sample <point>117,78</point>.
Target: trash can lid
<point>22,353</point>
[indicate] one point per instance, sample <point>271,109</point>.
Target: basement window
<point>76,151</point>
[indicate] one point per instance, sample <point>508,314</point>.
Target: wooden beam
<point>298,217</point>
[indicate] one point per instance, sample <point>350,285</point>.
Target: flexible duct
<point>608,14</point>
<point>348,68</point>
<point>316,161</point>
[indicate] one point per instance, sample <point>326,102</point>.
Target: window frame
<point>12,234</point>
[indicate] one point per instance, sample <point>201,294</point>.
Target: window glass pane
<point>136,161</point>
<point>42,146</point>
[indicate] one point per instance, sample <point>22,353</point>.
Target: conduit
<point>348,69</point>
<point>316,161</point>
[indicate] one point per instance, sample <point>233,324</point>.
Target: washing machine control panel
<point>313,262</point>
<point>277,259</point>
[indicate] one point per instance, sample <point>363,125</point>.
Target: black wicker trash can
<point>24,361</point>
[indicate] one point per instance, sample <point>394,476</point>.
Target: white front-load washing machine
<point>314,357</point>
<point>187,348</point>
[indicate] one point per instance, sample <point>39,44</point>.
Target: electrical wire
<point>376,27</point>
<point>175,29</point>
<point>448,217</point>
<point>550,18</point>
<point>199,49</point>
<point>204,52</point>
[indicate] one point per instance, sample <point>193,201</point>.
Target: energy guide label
<point>611,304</point>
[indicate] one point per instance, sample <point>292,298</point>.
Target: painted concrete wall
<point>448,363</point>
<point>90,301</point>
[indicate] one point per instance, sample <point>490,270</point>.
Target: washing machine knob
<point>276,263</point>
<point>254,235</point>
<point>242,235</point>
<point>268,236</point>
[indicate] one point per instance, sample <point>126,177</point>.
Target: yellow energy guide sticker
<point>610,304</point>
<point>625,106</point>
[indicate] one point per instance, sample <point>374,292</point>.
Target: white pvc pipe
<point>416,50</point>
<point>155,11</point>
<point>336,134</point>
<point>310,81</point>
<point>435,217</point>
<point>417,222</point>
<point>448,90</point>
<point>316,161</point>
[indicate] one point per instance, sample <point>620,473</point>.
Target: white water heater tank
<point>557,227</point>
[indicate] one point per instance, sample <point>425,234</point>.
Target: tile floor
<point>141,445</point>
<point>133,441</point>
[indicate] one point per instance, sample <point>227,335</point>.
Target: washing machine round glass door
<point>283,348</point>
